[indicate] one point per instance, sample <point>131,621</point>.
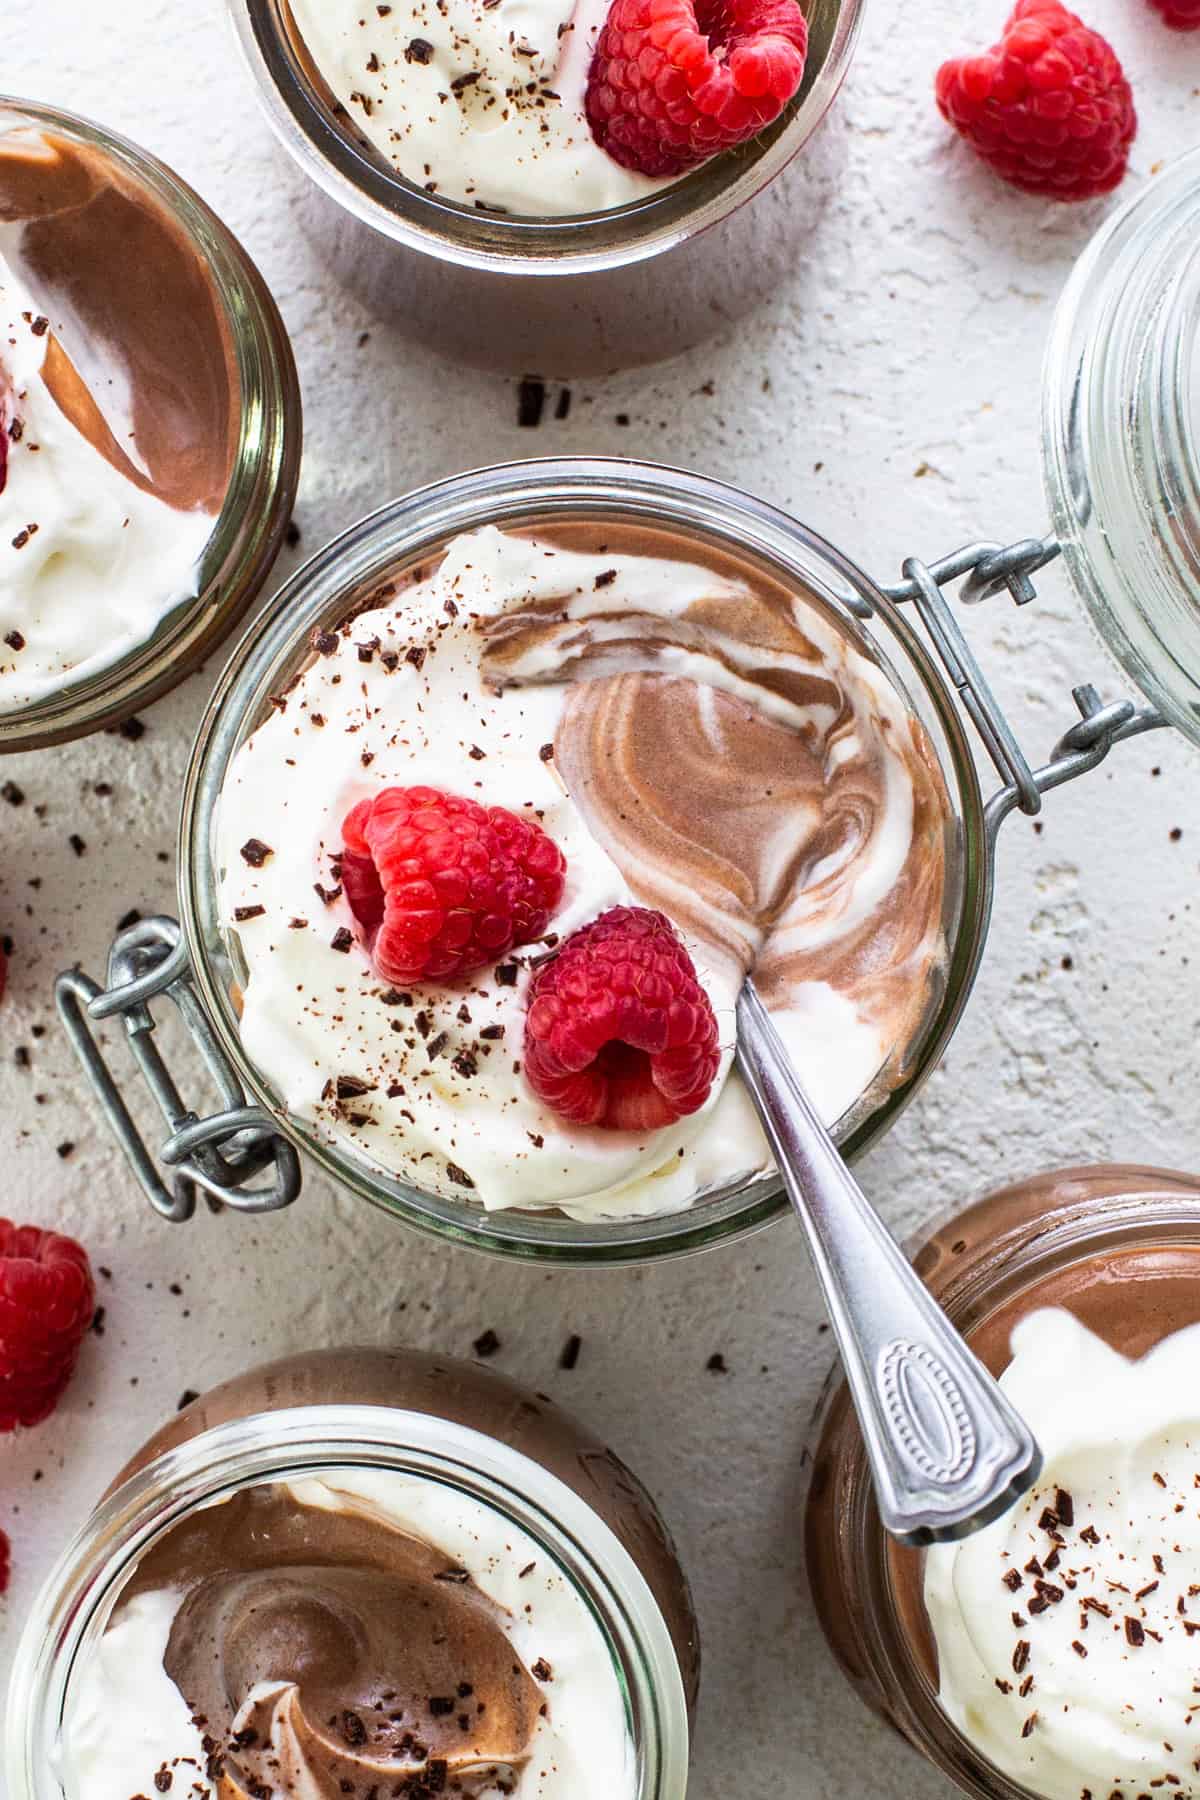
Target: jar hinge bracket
<point>220,1153</point>
<point>990,569</point>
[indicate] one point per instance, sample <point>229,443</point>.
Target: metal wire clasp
<point>990,569</point>
<point>221,1153</point>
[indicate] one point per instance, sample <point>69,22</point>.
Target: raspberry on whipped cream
<point>547,108</point>
<point>695,739</point>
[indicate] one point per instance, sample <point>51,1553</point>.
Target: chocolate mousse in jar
<point>485,144</point>
<point>1053,1653</point>
<point>581,670</point>
<point>355,1568</point>
<point>150,418</point>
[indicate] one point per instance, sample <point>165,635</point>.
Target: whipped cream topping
<point>477,101</point>
<point>116,460</point>
<point>365,1627</point>
<point>633,702</point>
<point>1067,1631</point>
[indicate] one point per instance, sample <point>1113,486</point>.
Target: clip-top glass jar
<point>261,434</point>
<point>196,967</point>
<point>1121,436</point>
<point>1115,1245</point>
<point>450,1427</point>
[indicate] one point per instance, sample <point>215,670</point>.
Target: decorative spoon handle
<point>947,1451</point>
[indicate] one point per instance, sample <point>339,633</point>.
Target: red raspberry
<point>1048,107</point>
<point>441,885</point>
<point>619,1031</point>
<point>674,81</point>
<point>47,1301</point>
<point>1180,15</point>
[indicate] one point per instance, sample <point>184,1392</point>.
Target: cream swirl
<point>695,736</point>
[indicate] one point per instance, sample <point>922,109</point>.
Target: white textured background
<point>888,392</point>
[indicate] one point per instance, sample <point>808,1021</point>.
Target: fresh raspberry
<point>1180,15</point>
<point>674,81</point>
<point>619,1031</point>
<point>1048,107</point>
<point>441,885</point>
<point>5,1562</point>
<point>47,1300</point>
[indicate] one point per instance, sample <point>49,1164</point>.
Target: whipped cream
<point>1067,1632</point>
<point>90,562</point>
<point>125,1719</point>
<point>428,1085</point>
<point>478,101</point>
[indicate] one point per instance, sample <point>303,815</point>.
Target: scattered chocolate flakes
<point>605,578</point>
<point>131,730</point>
<point>324,642</point>
<point>292,535</point>
<point>531,402</point>
<point>1028,1726</point>
<point>417,50</point>
<point>65,1149</point>
<point>14,640</point>
<point>351,1087</point>
<point>1020,1655</point>
<point>327,896</point>
<point>1048,1520</point>
<point>486,1344</point>
<point>342,939</point>
<point>459,1176</point>
<point>242,913</point>
<point>1097,1606</point>
<point>546,753</point>
<point>1143,1591</point>
<point>353,1729</point>
<point>1012,1580</point>
<point>40,326</point>
<point>132,917</point>
<point>12,793</point>
<point>506,974</point>
<point>77,844</point>
<point>716,1364</point>
<point>541,1670</point>
<point>1134,1632</point>
<point>436,1045</point>
<point>1004,1686</point>
<point>459,1577</point>
<point>1078,1648</point>
<point>416,654</point>
<point>186,1398</point>
<point>163,1779</point>
<point>562,410</point>
<point>1090,1535</point>
<point>255,852</point>
<point>569,1355</point>
<point>491,1034</point>
<point>1064,1507</point>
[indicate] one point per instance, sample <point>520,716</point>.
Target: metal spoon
<point>947,1452</point>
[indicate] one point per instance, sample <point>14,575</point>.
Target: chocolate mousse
<point>378,1620</point>
<point>123,426</point>
<point>696,736</point>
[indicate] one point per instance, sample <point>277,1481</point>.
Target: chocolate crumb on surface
<point>1134,1632</point>
<point>716,1364</point>
<point>486,1344</point>
<point>531,401</point>
<point>569,1355</point>
<point>255,852</point>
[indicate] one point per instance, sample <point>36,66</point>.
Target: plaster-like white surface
<point>888,392</point>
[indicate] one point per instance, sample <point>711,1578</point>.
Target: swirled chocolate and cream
<point>117,414</point>
<point>696,738</point>
<point>1068,1633</point>
<point>366,1632</point>
<point>476,101</point>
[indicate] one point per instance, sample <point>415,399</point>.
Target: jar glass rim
<point>580,245</point>
<point>73,1604</point>
<point>405,529</point>
<point>1125,503</point>
<point>246,533</point>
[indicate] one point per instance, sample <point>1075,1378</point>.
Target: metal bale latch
<point>220,1153</point>
<point>990,569</point>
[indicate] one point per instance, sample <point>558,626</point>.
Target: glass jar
<point>406,1412</point>
<point>312,131</point>
<point>1064,1238</point>
<point>265,461</point>
<point>192,964</point>
<point>1121,436</point>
